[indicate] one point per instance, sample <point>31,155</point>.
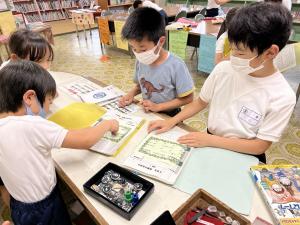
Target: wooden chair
<point>181,14</point>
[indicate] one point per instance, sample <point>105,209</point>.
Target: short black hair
<point>143,23</point>
<point>20,76</point>
<point>136,3</point>
<point>259,25</point>
<point>30,45</point>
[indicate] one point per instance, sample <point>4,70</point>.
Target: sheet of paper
<point>110,143</point>
<point>224,174</point>
<point>177,42</point>
<point>104,30</point>
<point>78,115</point>
<point>286,58</point>
<point>160,157</point>
<point>114,105</point>
<point>207,50</point>
<point>101,95</point>
<point>118,30</point>
<point>76,88</point>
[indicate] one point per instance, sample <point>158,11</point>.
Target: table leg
<point>84,32</point>
<point>90,29</point>
<point>77,30</point>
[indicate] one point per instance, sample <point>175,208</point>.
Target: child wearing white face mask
<point>250,102</point>
<point>26,166</point>
<point>161,77</point>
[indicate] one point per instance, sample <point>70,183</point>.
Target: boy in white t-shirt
<point>26,166</point>
<point>250,102</point>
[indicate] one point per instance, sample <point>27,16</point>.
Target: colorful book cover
<point>280,186</point>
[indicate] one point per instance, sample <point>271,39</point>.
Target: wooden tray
<point>203,199</point>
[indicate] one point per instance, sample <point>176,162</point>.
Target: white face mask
<point>243,65</point>
<point>149,56</point>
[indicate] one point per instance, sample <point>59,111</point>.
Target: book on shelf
<point>35,17</point>
<point>68,4</point>
<point>49,5</point>
<point>52,15</point>
<point>26,7</point>
<point>280,188</point>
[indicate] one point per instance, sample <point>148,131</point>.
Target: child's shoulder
<point>25,120</point>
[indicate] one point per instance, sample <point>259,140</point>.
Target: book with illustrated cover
<point>159,156</point>
<point>280,186</point>
<point>112,144</point>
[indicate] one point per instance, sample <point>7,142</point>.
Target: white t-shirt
<point>287,4</point>
<point>152,5</point>
<point>26,165</point>
<point>212,4</point>
<point>221,42</point>
<point>243,106</point>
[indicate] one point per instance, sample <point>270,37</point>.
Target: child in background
<point>150,4</point>
<point>222,45</point>
<point>26,167</point>
<point>250,102</point>
<point>29,45</point>
<point>26,44</point>
<point>161,77</point>
<point>213,6</point>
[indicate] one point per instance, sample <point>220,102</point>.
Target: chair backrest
<point>130,9</point>
<point>181,14</point>
<point>203,12</point>
<point>106,13</point>
<point>199,17</point>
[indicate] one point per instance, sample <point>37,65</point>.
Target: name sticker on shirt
<point>249,116</point>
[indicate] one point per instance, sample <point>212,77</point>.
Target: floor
<point>82,57</point>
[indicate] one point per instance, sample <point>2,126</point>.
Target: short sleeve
<point>136,72</point>
<point>276,121</point>
<point>48,134</point>
<point>183,80</point>
<point>220,43</point>
<point>208,87</point>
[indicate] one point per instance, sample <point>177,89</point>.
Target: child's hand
<point>126,100</point>
<point>114,126</point>
<point>150,106</point>
<point>6,223</point>
<point>195,139</point>
<point>160,126</point>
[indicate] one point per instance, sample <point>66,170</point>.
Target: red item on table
<point>204,220</point>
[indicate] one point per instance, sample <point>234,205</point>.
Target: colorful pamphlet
<point>81,115</point>
<point>159,156</point>
<point>102,95</point>
<point>280,186</point>
<point>112,144</point>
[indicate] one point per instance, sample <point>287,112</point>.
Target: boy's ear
<point>13,57</point>
<point>162,40</point>
<point>28,97</point>
<point>272,52</point>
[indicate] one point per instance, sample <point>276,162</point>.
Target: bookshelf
<point>110,4</point>
<point>48,10</point>
<point>29,8</point>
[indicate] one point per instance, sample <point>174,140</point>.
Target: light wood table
<point>75,167</point>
